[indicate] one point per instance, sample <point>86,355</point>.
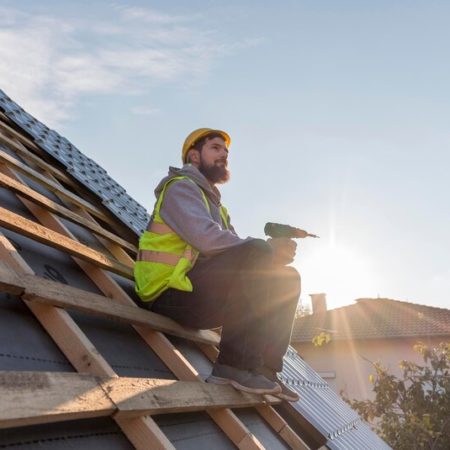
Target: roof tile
<point>373,318</point>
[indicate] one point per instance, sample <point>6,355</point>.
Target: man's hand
<point>283,250</point>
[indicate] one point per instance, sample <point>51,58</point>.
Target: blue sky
<point>338,113</point>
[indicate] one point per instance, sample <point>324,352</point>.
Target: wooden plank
<point>138,396</point>
<point>30,194</point>
<point>28,228</point>
<point>28,398</point>
<point>52,186</point>
<point>37,289</point>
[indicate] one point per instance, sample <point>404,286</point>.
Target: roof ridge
<point>396,301</point>
<point>368,319</point>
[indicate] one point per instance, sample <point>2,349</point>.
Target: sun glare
<point>340,272</point>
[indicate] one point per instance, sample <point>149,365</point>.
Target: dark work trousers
<point>241,291</point>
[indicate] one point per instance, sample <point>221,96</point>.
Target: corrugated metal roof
<point>320,406</point>
<point>88,172</point>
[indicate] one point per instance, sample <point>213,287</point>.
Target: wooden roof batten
<point>49,300</point>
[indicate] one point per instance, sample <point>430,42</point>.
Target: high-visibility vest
<point>164,259</point>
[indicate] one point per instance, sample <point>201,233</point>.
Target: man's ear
<point>193,156</point>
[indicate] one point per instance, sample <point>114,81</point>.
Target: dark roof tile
<point>84,169</point>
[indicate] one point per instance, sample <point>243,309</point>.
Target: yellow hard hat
<point>198,134</point>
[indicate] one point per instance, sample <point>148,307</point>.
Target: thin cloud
<point>145,111</point>
<point>151,16</point>
<point>49,63</point>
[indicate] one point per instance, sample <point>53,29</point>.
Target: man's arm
<point>184,210</point>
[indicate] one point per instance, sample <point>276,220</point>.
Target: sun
<point>340,271</point>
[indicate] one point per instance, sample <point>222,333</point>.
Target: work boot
<point>243,380</point>
<point>286,393</point>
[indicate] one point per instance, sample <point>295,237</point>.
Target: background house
<point>372,329</point>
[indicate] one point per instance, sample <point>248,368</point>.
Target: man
<point>194,268</point>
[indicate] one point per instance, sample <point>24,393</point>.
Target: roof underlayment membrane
<point>26,346</point>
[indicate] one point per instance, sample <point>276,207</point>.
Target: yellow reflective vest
<point>164,259</point>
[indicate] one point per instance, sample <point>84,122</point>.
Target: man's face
<point>214,161</point>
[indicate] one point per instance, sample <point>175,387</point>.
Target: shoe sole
<point>218,380</point>
<point>287,397</point>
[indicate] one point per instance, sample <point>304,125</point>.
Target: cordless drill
<point>277,230</point>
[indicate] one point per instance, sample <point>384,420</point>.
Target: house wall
<point>346,365</point>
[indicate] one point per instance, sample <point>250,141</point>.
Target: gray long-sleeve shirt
<point>184,210</point>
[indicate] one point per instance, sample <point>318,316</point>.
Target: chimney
<point>318,303</point>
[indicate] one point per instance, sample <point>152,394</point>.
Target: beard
<point>215,174</point>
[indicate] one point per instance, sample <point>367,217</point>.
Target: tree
<point>412,412</point>
<point>302,310</point>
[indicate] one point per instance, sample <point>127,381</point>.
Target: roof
<point>88,172</point>
<point>67,312</point>
<point>375,318</point>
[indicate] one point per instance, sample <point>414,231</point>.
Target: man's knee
<point>253,254</point>
<point>291,279</point>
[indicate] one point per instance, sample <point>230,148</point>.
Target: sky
<point>338,112</point>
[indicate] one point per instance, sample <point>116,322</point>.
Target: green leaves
<point>321,339</point>
<point>412,412</point>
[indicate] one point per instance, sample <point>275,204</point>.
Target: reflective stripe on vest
<point>159,228</point>
<point>164,259</point>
